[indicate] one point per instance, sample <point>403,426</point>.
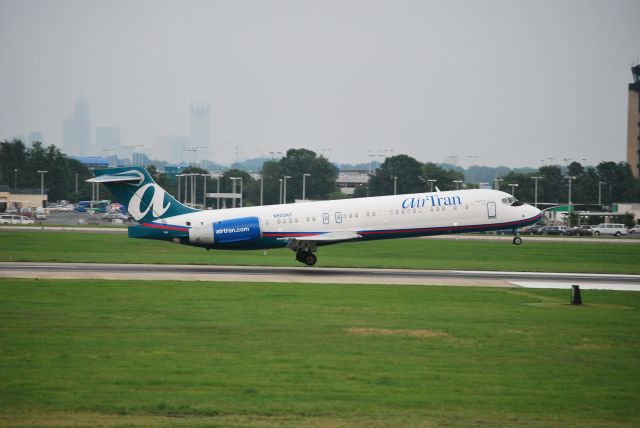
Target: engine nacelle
<point>226,232</point>
<point>237,230</point>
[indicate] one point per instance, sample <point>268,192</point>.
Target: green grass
<point>247,354</point>
<point>400,253</point>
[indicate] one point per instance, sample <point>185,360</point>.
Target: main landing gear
<point>517,240</point>
<point>306,257</point>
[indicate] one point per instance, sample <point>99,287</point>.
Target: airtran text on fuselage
<point>433,200</point>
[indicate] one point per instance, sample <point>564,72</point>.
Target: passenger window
<point>278,221</point>
<point>325,218</point>
<point>373,213</point>
<point>338,217</point>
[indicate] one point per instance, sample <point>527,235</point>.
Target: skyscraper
<point>35,136</point>
<point>633,123</point>
<point>76,131</point>
<point>200,127</point>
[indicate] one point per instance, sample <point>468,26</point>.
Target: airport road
<point>314,275</point>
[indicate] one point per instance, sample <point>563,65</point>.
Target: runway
<point>315,275</point>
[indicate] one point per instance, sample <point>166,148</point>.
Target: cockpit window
<point>512,201</point>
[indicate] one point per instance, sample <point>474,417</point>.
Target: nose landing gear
<point>517,240</point>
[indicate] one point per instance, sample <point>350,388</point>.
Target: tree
<point>445,178</point>
<point>319,185</point>
<point>60,178</point>
<point>408,172</point>
<point>629,220</point>
<point>553,187</point>
<point>619,179</point>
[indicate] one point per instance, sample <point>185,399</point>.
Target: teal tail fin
<point>134,188</point>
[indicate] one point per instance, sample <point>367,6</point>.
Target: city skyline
<point>497,83</point>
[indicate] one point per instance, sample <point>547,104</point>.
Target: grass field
<point>247,354</point>
<point>400,253</point>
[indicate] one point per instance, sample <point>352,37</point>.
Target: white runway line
<point>583,286</point>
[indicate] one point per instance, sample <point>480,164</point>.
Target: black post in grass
<point>576,299</point>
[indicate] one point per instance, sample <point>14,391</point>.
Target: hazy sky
<point>511,82</point>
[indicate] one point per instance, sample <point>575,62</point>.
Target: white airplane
<point>302,227</point>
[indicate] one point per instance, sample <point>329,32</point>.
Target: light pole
<point>458,183</point>
<point>217,177</point>
<point>513,188</point>
<point>431,181</point>
<point>395,184</point>
<point>233,188</point>
<point>535,190</point>
<point>280,198</point>
<point>179,175</point>
<point>241,194</point>
<point>496,183</point>
<point>600,183</point>
<point>76,187</point>
<point>15,178</point>
<point>261,189</point>
<point>304,179</point>
<point>284,191</point>
<point>42,173</point>
<point>204,191</point>
<point>571,178</point>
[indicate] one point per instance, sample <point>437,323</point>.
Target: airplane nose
<point>535,212</point>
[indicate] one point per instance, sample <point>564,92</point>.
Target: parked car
<point>40,214</point>
<point>554,230</point>
<point>634,230</point>
<point>533,230</point>
<point>115,218</point>
<point>11,210</point>
<point>15,219</point>
<point>26,211</point>
<point>615,229</point>
<point>583,230</point>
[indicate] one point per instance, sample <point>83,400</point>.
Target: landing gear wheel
<point>517,240</point>
<point>309,259</point>
<point>306,257</point>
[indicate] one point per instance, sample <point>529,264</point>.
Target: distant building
<point>171,148</point>
<point>35,136</point>
<point>22,198</point>
<point>348,181</point>
<point>200,128</point>
<point>76,131</point>
<point>107,140</point>
<point>93,162</point>
<point>633,123</point>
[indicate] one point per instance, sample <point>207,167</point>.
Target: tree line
<point>608,181</point>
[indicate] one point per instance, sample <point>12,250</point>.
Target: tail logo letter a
<point>156,204</point>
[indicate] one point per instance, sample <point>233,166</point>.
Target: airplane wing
<point>342,235</point>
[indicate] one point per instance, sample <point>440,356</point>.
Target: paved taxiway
<point>317,275</point>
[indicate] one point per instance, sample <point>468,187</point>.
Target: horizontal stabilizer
<point>117,179</point>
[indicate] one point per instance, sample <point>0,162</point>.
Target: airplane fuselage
<point>371,218</point>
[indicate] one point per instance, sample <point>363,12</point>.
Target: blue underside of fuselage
<point>280,239</point>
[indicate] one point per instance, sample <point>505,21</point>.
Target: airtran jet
<point>303,227</point>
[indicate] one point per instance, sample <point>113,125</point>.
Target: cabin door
<point>491,210</point>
